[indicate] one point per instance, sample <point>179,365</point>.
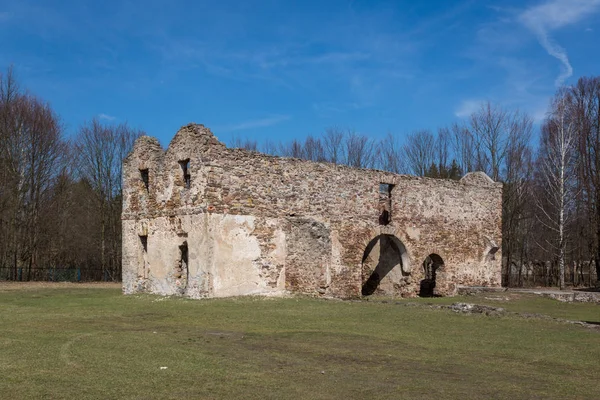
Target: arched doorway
<point>431,265</point>
<point>384,264</point>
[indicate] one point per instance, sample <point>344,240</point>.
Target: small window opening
<point>385,203</point>
<point>185,167</point>
<point>491,253</point>
<point>184,254</point>
<point>182,272</point>
<point>490,250</point>
<point>144,240</point>
<point>143,272</point>
<point>145,177</point>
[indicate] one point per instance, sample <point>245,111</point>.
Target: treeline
<point>551,200</point>
<point>60,198</point>
<point>491,135</point>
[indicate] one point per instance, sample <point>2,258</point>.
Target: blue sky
<point>284,69</point>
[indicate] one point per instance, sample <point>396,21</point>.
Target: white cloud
<point>329,108</point>
<point>282,60</point>
<point>106,117</point>
<point>467,107</point>
<point>539,114</point>
<point>552,15</point>
<point>256,123</point>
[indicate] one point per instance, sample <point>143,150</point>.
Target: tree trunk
<point>561,270</point>
<point>103,241</point>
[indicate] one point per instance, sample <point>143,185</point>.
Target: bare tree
<point>294,149</point>
<point>441,167</point>
<point>389,155</point>
<point>557,171</point>
<point>585,98</point>
<point>463,147</point>
<point>313,149</point>
<point>270,147</point>
<point>442,148</point>
<point>517,176</point>
<point>101,149</point>
<point>31,149</point>
<point>333,145</point>
<point>489,128</point>
<point>420,152</point>
<point>247,144</point>
<point>360,150</point>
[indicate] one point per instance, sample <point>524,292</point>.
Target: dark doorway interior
<point>431,265</point>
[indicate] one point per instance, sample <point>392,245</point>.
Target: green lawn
<point>73,342</point>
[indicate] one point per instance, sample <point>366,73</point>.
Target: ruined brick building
<point>202,220</point>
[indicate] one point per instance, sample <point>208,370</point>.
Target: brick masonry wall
<point>258,224</point>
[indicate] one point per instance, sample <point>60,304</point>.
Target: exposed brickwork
<point>258,224</point>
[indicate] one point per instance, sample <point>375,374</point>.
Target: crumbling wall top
<point>195,135</point>
<point>146,143</point>
<point>478,178</point>
<point>145,148</point>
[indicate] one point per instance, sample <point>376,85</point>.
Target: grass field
<point>69,341</point>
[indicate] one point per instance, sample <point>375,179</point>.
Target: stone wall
<point>258,224</point>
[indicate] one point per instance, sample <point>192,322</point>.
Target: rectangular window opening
<point>183,252</point>
<point>183,271</point>
<point>145,178</point>
<point>143,268</point>
<point>385,203</point>
<point>185,167</point>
